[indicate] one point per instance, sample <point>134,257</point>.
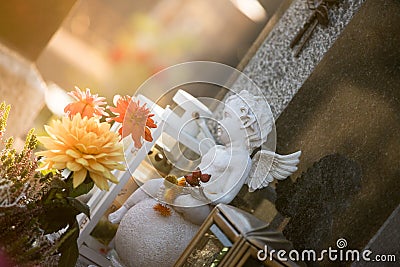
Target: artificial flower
<point>84,146</point>
<point>173,187</point>
<point>86,104</point>
<point>136,120</point>
<point>170,180</point>
<point>162,209</point>
<point>196,176</point>
<point>181,181</point>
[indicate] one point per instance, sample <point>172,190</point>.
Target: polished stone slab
<point>385,243</point>
<point>279,75</point>
<point>350,105</point>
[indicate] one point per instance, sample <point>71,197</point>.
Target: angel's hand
<point>198,193</point>
<point>117,216</point>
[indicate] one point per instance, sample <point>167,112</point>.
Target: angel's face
<point>231,126</point>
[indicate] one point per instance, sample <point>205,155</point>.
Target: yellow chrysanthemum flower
<point>83,145</point>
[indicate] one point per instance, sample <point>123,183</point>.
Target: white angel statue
<point>146,238</point>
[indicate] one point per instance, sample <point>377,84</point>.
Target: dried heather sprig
<point>4,111</point>
<point>21,190</point>
<point>19,181</point>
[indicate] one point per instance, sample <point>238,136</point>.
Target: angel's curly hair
<point>256,116</point>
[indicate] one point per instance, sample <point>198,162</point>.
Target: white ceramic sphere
<point>146,238</point>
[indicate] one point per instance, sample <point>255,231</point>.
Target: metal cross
<point>320,15</point>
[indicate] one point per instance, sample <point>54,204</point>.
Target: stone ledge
<point>275,70</point>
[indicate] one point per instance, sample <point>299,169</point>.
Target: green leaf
<point>68,247</point>
<point>55,197</point>
<point>79,206</point>
<point>82,189</point>
<point>58,189</point>
<point>57,217</point>
<point>59,209</point>
<point>49,196</point>
<point>58,183</point>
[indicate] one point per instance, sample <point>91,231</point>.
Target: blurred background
<point>112,47</point>
<point>48,47</point>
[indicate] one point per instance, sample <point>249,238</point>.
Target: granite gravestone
<point>340,96</point>
<point>350,104</point>
<point>320,194</point>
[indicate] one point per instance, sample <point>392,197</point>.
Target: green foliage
<point>82,189</point>
<point>21,238</point>
<point>60,209</point>
<point>78,206</point>
<point>68,247</point>
<point>34,203</point>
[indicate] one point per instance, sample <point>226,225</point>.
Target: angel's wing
<point>268,165</point>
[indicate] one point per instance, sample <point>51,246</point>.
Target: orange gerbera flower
<point>136,120</point>
<point>86,104</point>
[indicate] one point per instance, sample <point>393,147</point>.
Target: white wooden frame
<point>100,200</point>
